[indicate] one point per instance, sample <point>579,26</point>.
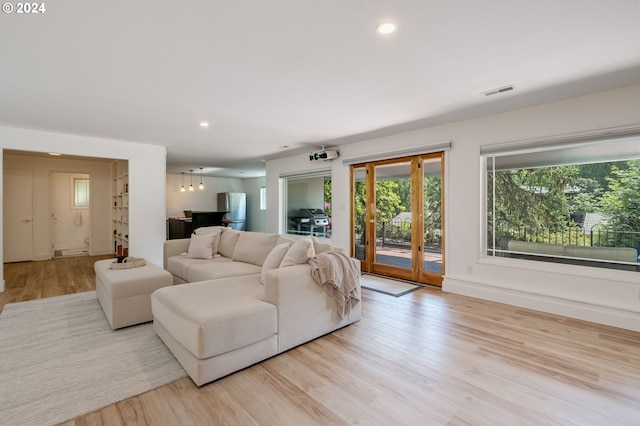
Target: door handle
<point>27,220</point>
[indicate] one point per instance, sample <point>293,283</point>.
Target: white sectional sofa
<point>256,297</point>
<point>241,256</point>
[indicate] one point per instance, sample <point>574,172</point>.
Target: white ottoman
<point>125,294</point>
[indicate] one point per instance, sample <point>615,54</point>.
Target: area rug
<point>388,286</point>
<point>60,359</point>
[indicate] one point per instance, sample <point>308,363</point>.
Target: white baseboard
<point>568,308</point>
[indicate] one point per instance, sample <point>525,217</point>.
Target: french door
<point>397,217</point>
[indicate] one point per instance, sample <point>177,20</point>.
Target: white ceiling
<point>275,78</point>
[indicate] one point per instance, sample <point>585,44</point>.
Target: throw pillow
<point>319,246</point>
<point>200,247</point>
<point>273,259</point>
<point>211,230</point>
<point>204,230</point>
<point>299,252</point>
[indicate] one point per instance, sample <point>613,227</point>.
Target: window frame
<point>286,179</point>
<point>627,147</point>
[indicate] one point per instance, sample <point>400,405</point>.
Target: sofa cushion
<point>210,318</point>
<point>216,231</point>
<point>201,247</point>
<point>274,259</point>
<point>214,270</point>
<point>228,240</point>
<point>179,265</point>
<point>298,253</point>
<point>284,239</point>
<point>253,247</point>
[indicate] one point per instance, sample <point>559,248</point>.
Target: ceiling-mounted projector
<point>325,155</point>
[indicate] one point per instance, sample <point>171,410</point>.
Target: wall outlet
<point>469,269</point>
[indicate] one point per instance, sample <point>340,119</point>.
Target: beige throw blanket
<point>338,275</point>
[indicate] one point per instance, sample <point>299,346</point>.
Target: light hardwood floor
<point>427,358</point>
<point>48,278</point>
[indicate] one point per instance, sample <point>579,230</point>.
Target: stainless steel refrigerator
<point>235,203</point>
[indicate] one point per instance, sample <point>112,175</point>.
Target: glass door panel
<point>359,179</point>
<point>432,223</point>
<point>393,215</point>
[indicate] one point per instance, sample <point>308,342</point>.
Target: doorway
<point>71,214</point>
<point>397,217</point>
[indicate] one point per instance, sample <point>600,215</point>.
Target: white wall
<point>199,199</point>
<point>207,198</point>
<point>604,296</point>
<point>147,177</point>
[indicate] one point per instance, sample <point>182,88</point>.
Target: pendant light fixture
<point>182,188</point>
<point>201,184</point>
<point>191,174</point>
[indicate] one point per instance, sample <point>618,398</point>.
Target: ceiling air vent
<point>499,90</point>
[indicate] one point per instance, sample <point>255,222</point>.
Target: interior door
<point>397,217</point>
<point>18,215</point>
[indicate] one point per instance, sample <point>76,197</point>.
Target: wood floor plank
<point>47,278</point>
<point>305,406</point>
<point>223,405</point>
<point>425,358</point>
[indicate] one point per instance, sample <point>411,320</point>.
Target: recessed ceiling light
<point>386,27</point>
<point>55,153</point>
<point>204,124</point>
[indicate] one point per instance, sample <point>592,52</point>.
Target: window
<point>308,204</point>
<point>263,198</point>
<point>80,192</point>
<point>575,201</point>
